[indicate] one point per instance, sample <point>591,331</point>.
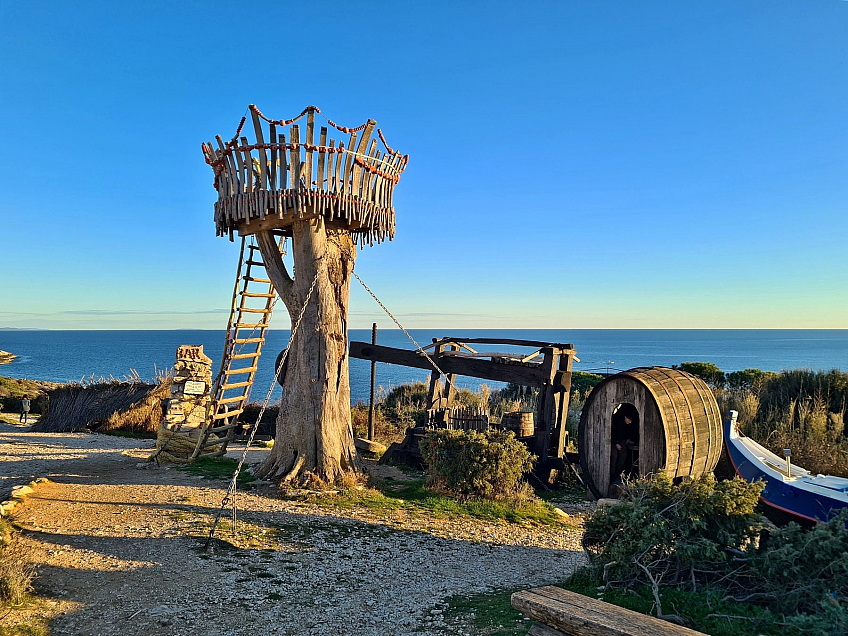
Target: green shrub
<point>667,532</point>
<point>707,371</point>
<point>471,464</point>
<point>583,382</point>
<point>805,570</point>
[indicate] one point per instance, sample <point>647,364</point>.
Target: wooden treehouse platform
<point>276,178</point>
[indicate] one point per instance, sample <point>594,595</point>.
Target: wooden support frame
<point>551,375</point>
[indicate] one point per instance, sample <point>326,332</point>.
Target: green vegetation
<point>390,495</point>
<point>468,464</point>
<point>707,609</point>
<point>694,551</point>
<point>218,468</point>
<point>13,389</point>
<point>490,613</point>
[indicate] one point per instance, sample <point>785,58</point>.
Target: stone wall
<point>190,391</point>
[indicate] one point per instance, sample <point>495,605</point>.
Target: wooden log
<point>263,157</point>
<point>247,162</point>
<point>273,168</point>
<point>322,157</point>
<point>346,183</point>
<point>581,615</point>
<point>294,167</point>
<point>310,141</point>
<point>485,369</point>
<point>360,151</point>
<point>235,184</point>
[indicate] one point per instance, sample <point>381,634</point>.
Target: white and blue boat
<point>789,489</point>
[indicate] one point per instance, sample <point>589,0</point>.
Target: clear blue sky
<point>573,163</point>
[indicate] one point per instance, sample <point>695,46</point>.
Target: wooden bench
<point>558,611</point>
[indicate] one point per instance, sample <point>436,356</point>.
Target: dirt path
<point>117,547</point>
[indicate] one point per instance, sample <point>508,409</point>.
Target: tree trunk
<point>314,434</point>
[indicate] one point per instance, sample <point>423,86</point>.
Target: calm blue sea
<point>62,356</point>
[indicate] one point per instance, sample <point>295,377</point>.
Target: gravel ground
<point>117,550</point>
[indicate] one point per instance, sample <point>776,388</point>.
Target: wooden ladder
<point>245,337</point>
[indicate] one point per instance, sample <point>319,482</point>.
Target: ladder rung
<point>251,310</point>
<point>250,261</point>
<point>244,356</point>
<point>252,295</point>
<point>230,400</point>
<point>225,427</point>
<point>253,248</point>
<point>217,442</point>
<point>251,279</point>
<point>248,340</point>
<point>251,325</point>
<point>236,385</point>
<point>240,371</point>
<point>225,414</point>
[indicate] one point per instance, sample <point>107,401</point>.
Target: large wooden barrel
<point>679,425</point>
<point>520,422</point>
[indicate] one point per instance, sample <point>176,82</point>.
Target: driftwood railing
<point>278,175</point>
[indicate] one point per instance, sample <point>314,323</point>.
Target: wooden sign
<point>193,387</point>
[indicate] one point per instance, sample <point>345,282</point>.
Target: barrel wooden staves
<point>678,419</point>
<point>520,422</point>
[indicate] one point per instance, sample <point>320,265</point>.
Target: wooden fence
<point>279,175</point>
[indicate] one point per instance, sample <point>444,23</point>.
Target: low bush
<point>470,464</point>
<point>665,533</point>
<point>705,537</point>
<point>805,571</point>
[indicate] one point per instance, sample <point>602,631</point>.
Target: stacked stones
<point>190,391</point>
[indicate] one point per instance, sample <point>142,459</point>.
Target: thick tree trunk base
<point>314,442</point>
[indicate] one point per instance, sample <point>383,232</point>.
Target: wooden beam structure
<point>547,369</point>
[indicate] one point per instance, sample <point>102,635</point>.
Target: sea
<point>64,356</point>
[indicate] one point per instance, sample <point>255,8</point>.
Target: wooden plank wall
<point>351,181</point>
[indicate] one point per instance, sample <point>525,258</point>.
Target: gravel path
<point>119,547</point>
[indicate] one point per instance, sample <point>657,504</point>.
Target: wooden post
<point>373,380</point>
<point>562,393</point>
<point>547,404</point>
<point>434,394</point>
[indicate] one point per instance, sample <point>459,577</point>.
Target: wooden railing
<point>278,175</point>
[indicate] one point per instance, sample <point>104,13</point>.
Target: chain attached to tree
<point>230,496</point>
<point>400,326</point>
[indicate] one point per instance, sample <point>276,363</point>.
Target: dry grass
<point>784,412</point>
<point>16,573</point>
<point>128,405</point>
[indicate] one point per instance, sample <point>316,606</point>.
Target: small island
<point>6,357</point>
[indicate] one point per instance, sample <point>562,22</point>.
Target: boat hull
<point>800,504</point>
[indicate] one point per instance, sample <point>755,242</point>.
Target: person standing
<point>24,408</point>
<point>625,435</point>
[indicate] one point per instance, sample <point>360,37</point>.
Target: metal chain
<point>400,326</point>
<point>231,489</point>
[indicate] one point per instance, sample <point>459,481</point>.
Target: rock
<point>606,502</point>
<point>6,357</point>
<point>369,446</point>
<point>21,491</point>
